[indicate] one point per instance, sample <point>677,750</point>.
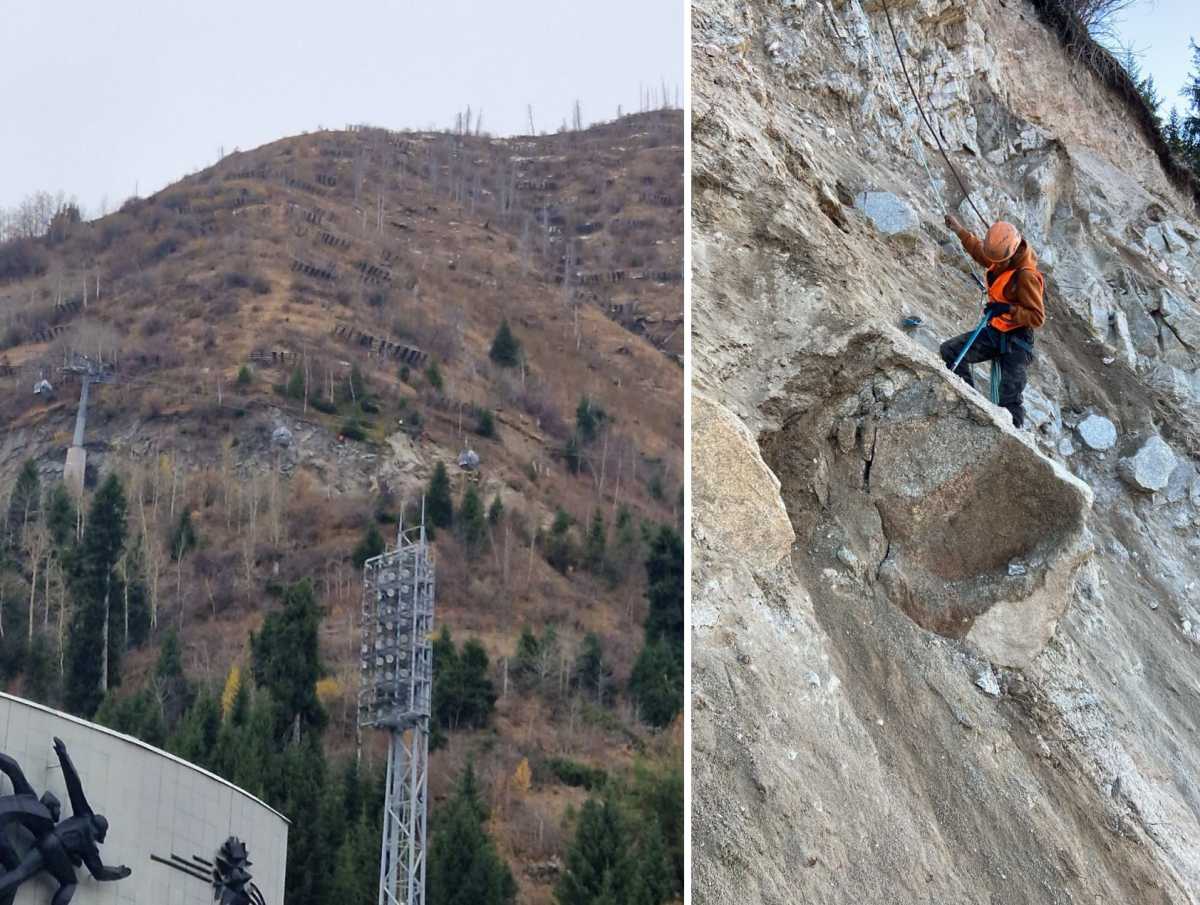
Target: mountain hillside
<point>295,339</point>
<point>937,659</point>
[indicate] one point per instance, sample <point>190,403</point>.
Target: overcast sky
<point>1159,31</point>
<point>100,96</point>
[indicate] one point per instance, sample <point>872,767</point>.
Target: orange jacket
<point>1024,288</point>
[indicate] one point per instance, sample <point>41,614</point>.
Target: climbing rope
<point>920,109</point>
<point>918,151</point>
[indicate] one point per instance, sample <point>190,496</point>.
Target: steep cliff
<point>937,659</point>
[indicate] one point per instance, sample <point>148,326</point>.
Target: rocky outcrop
<point>957,520</point>
<point>974,678</point>
<point>891,215</point>
<point>731,486</point>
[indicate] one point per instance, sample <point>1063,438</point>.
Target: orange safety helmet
<point>1001,242</point>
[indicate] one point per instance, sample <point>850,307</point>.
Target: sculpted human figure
<point>57,848</point>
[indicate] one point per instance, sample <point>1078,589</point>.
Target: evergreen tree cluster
<point>286,660</point>
<point>657,680</point>
<point>265,733</point>
<point>471,519</point>
<point>589,418</point>
<point>603,553</point>
<point>463,694</point>
<point>628,844</point>
<point>464,866</point>
<point>74,654</point>
<point>1181,130</point>
<point>266,736</point>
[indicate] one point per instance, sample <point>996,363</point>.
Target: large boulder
<point>957,519</point>
<point>735,496</point>
<point>1149,469</point>
<point>959,501</point>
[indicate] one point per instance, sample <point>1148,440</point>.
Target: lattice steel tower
<point>397,681</point>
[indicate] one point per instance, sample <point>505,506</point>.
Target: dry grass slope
<point>389,256</point>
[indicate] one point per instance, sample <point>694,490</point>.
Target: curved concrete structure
<point>166,816</point>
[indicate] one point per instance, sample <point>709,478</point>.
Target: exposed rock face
<point>890,214</point>
<point>734,487</point>
<point>974,679</point>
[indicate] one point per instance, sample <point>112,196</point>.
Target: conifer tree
<point>595,550</point>
<point>183,538</point>
<point>94,650</point>
<point>588,418</point>
<point>433,374</point>
<point>657,679</point>
<point>593,676</point>
<point>196,737</point>
<point>626,542</point>
<point>471,520</point>
<point>60,518</point>
<point>286,659</point>
<point>615,856</point>
<point>495,511</point>
<point>657,682</point>
<point>301,772</point>
<point>1189,126</point>
<point>559,552</point>
<point>463,694</point>
<point>24,503</point>
<point>137,715</point>
<point>295,384</point>
<point>439,507</point>
<point>506,348</point>
<point>485,423</point>
<point>464,866</point>
<point>1173,132</point>
<point>371,545</point>
<point>573,454</point>
<point>598,863</point>
<point>173,688</point>
<point>664,575</point>
<point>1143,82</point>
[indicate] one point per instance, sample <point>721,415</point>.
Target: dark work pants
<point>1014,360</point>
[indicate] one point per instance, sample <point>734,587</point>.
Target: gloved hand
<point>993,309</point>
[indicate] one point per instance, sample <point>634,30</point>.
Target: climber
<point>1015,288</point>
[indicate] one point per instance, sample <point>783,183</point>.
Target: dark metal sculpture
<point>50,845</point>
<point>231,877</point>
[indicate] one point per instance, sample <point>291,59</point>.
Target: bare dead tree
<point>36,541</point>
<point>1097,17</point>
